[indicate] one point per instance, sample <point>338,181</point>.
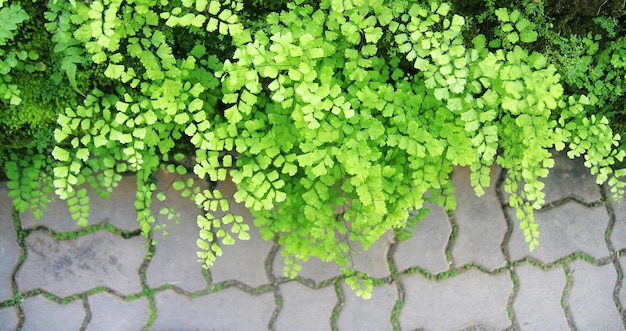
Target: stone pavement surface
<point>465,270</point>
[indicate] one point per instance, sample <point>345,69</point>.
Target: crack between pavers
<point>398,305</point>
<point>394,280</point>
<point>451,239</point>
<point>564,298</point>
<point>147,291</point>
<point>20,235</point>
<point>505,250</point>
<point>614,255</point>
<point>88,315</point>
<point>334,316</point>
<point>269,271</point>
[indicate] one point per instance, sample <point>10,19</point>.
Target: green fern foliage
<point>335,120</point>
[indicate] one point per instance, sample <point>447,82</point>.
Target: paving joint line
<point>451,238</point>
<point>565,296</point>
<point>509,266</point>
<point>398,305</point>
<point>88,314</point>
<point>147,291</point>
<point>334,316</point>
<point>18,297</point>
<point>614,255</point>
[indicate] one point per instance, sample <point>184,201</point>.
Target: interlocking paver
<point>481,223</point>
<point>74,266</point>
<point>9,250</point>
<point>570,178</point>
<point>305,308</point>
<point>537,305</point>
<point>313,269</point>
<point>118,210</point>
<point>8,319</point>
<point>618,235</point>
<point>229,309</point>
<point>109,312</point>
<point>45,315</point>
<point>245,260</point>
<point>175,260</point>
<point>564,230</point>
<point>467,299</point>
<point>427,247</point>
<point>591,297</point>
<point>374,260</point>
<point>372,314</point>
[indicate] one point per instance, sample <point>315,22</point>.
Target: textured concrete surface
<point>468,269</point>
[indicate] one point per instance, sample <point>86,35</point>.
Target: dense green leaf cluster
<point>334,120</point>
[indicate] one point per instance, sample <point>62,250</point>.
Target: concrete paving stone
<point>109,312</point>
<point>74,266</point>
<point>591,297</point>
<point>229,309</point>
<point>9,250</point>
<point>175,259</point>
<point>570,178</point>
<point>372,314</point>
<point>537,305</point>
<point>465,300</point>
<point>313,269</point>
<point>45,315</point>
<point>8,319</point>
<point>563,230</point>
<point>618,235</point>
<point>245,260</point>
<point>119,210</point>
<point>481,223</point>
<point>305,308</point>
<point>427,247</point>
<point>374,260</point>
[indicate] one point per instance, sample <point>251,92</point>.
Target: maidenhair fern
<point>334,121</point>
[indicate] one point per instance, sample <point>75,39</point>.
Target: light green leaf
<point>60,154</point>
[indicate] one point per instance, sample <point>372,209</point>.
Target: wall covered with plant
<point>334,119</point>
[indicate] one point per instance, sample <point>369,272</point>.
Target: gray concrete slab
<point>468,299</point>
<point>371,314</point>
<point>564,230</point>
<point>245,260</point>
<point>8,319</point>
<point>427,247</point>
<point>229,309</point>
<point>570,178</point>
<point>174,260</point>
<point>305,308</point>
<point>109,312</point>
<point>374,260</point>
<point>9,250</point>
<point>537,305</point>
<point>41,314</point>
<point>75,266</point>
<point>118,209</point>
<point>591,297</point>
<point>481,223</point>
<point>313,269</point>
